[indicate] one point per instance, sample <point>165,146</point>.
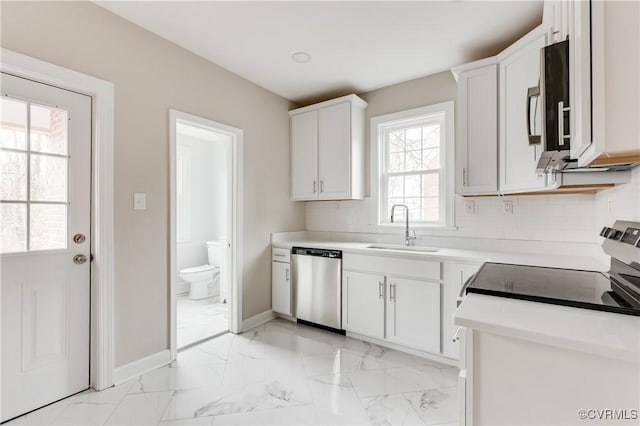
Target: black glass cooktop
<point>569,287</point>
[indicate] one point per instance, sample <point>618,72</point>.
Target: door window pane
<point>48,178</point>
<point>48,130</point>
<point>13,218</point>
<point>48,227</point>
<point>13,123</point>
<point>13,176</point>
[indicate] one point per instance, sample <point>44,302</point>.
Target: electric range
<point>617,290</point>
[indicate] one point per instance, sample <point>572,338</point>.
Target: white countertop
<point>606,334</point>
<point>551,261</point>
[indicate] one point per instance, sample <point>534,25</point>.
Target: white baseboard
<point>257,320</point>
<point>433,357</point>
<point>141,366</point>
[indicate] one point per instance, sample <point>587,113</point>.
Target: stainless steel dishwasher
<point>317,286</point>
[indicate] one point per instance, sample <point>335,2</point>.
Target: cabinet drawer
<point>423,269</point>
<point>281,255</point>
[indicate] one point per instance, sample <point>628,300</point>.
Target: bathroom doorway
<point>204,229</point>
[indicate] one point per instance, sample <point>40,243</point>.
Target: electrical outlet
<point>469,207</point>
<point>507,207</point>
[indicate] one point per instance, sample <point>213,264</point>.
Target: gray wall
<point>152,75</point>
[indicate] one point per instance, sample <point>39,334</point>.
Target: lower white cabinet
<point>387,306</point>
<point>363,303</point>
<point>413,313</point>
<point>456,273</point>
<point>281,285</point>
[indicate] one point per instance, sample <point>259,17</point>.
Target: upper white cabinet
<point>327,150</point>
<point>477,129</point>
<point>519,70</point>
<point>604,84</point>
<point>304,156</point>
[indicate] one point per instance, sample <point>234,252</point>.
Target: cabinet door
<point>478,131</point>
<point>304,156</point>
<point>281,288</point>
<point>363,303</point>
<point>518,160</point>
<point>334,151</point>
<point>455,275</point>
<point>413,314</point>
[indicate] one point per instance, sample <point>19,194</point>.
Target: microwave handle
<point>532,92</point>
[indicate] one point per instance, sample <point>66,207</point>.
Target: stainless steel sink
<point>397,247</point>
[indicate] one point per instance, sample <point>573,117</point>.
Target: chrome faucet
<point>407,238</point>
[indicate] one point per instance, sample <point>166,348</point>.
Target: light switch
<point>139,201</point>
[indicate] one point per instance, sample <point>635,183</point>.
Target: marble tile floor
<point>279,373</point>
<point>200,319</point>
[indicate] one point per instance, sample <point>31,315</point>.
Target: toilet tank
<point>214,252</point>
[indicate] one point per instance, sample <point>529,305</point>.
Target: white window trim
<point>378,124</point>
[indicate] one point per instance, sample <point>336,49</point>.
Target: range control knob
<point>605,231</point>
<point>614,234</point>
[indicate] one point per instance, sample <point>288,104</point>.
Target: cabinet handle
<point>561,136</point>
<point>322,186</point>
<point>286,274</point>
<point>464,176</point>
<point>314,186</point>
<point>456,336</point>
<point>380,289</point>
<point>392,292</point>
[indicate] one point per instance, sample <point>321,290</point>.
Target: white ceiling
<point>355,46</point>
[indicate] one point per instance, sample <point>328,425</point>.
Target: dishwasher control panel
<point>332,254</point>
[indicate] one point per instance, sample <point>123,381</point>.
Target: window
<point>415,153</point>
<point>33,177</point>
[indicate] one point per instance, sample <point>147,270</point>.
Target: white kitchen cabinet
<point>363,301</point>
<point>413,313</point>
<point>304,155</point>
<point>611,72</point>
<point>327,150</point>
<point>456,273</point>
<point>477,128</point>
<point>393,299</point>
<point>281,282</point>
<point>519,70</point>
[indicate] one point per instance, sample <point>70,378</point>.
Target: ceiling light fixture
<point>301,57</point>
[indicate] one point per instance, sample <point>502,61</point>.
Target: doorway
<point>205,183</point>
<point>45,216</point>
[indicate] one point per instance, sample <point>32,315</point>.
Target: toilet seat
<point>202,268</point>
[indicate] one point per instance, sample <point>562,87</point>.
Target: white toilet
<point>200,277</point>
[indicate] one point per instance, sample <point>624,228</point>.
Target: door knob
<point>79,259</point>
<point>79,238</point>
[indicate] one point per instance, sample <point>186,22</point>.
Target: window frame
<point>379,127</point>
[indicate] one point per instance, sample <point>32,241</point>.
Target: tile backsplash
<point>576,218</point>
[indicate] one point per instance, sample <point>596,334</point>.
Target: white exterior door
<point>45,177</point>
<point>334,151</point>
<point>304,156</point>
